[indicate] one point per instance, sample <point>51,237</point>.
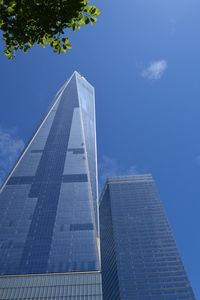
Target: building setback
<point>49,227</point>
<point>139,255</point>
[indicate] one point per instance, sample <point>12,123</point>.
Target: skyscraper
<point>139,256</point>
<point>49,230</point>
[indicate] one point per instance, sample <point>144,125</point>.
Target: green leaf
<point>10,9</point>
<point>74,27</point>
<point>42,22</point>
<point>87,20</point>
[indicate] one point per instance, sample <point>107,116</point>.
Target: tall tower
<point>139,256</point>
<point>49,235</point>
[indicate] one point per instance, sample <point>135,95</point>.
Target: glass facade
<point>139,255</point>
<point>71,286</point>
<point>48,205</point>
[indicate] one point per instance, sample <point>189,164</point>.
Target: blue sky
<point>143,57</point>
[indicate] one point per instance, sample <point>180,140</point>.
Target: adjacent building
<point>139,255</point>
<point>49,223</point>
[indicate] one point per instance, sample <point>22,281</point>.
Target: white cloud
<point>173,26</point>
<point>198,160</point>
<point>10,148</point>
<point>109,167</point>
<point>155,70</point>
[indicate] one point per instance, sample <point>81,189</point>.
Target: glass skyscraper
<point>139,255</point>
<point>49,230</point>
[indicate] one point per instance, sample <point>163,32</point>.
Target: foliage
<point>28,22</point>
